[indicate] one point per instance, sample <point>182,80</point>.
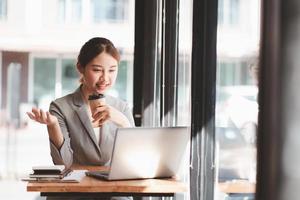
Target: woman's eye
<point>112,70</point>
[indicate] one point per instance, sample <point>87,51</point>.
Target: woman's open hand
<point>51,121</point>
<point>42,117</point>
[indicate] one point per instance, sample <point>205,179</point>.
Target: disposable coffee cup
<point>96,100</point>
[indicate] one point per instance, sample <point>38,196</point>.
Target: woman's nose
<point>104,76</point>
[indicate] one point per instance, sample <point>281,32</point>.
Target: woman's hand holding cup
<point>99,109</point>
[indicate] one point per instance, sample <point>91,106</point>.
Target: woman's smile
<point>101,87</point>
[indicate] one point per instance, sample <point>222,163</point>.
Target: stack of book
<point>55,173</point>
<point>49,173</point>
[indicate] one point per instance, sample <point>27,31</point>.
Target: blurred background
<point>39,43</point>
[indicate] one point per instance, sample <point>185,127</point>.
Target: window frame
<point>204,58</point>
<point>270,135</point>
<point>146,101</point>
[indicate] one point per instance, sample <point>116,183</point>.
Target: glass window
<point>52,73</point>
<point>184,63</point>
<point>112,10</point>
<point>221,11</point>
<point>234,72</point>
<point>13,88</point>
<point>44,81</point>
<point>76,10</point>
<point>124,83</point>
<point>234,7</point>
<point>70,76</point>
<point>45,78</point>
<point>3,9</point>
<point>69,11</point>
<point>236,99</point>
<point>61,11</point>
<point>228,12</point>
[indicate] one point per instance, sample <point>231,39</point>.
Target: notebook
<point>75,176</point>
<point>55,171</point>
<point>140,153</point>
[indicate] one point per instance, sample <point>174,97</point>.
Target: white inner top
<point>97,133</point>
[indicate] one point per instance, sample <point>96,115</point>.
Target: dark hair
<point>94,47</point>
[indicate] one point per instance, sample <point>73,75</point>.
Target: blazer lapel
<point>82,112</point>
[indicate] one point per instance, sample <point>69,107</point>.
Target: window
<point>235,72</point>
<point>3,9</point>
<point>69,11</point>
<point>69,76</point>
<point>44,81</point>
<point>13,88</point>
<point>124,84</point>
<point>229,12</point>
<point>109,10</point>
<point>184,63</point>
<point>61,11</point>
<point>55,77</point>
<point>76,10</point>
<point>236,96</point>
<point>51,71</point>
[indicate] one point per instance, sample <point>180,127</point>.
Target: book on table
<point>55,173</point>
<point>50,172</point>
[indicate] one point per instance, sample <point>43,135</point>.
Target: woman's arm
<point>60,147</point>
<point>51,121</point>
<point>55,134</point>
<point>62,154</point>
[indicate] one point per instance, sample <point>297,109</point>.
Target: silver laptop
<point>141,153</point>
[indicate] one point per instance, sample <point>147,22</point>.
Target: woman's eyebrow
<point>95,65</point>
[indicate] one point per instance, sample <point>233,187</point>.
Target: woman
<point>74,137</point>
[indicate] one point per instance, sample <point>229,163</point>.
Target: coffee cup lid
<point>95,96</point>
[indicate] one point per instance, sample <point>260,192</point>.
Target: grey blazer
<point>80,145</point>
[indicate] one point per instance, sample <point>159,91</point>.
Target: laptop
<point>141,153</point>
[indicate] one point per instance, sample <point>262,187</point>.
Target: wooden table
<point>91,187</point>
<point>237,187</point>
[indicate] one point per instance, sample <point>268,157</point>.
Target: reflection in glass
<point>236,98</point>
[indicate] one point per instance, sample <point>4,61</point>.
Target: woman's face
<point>100,73</point>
